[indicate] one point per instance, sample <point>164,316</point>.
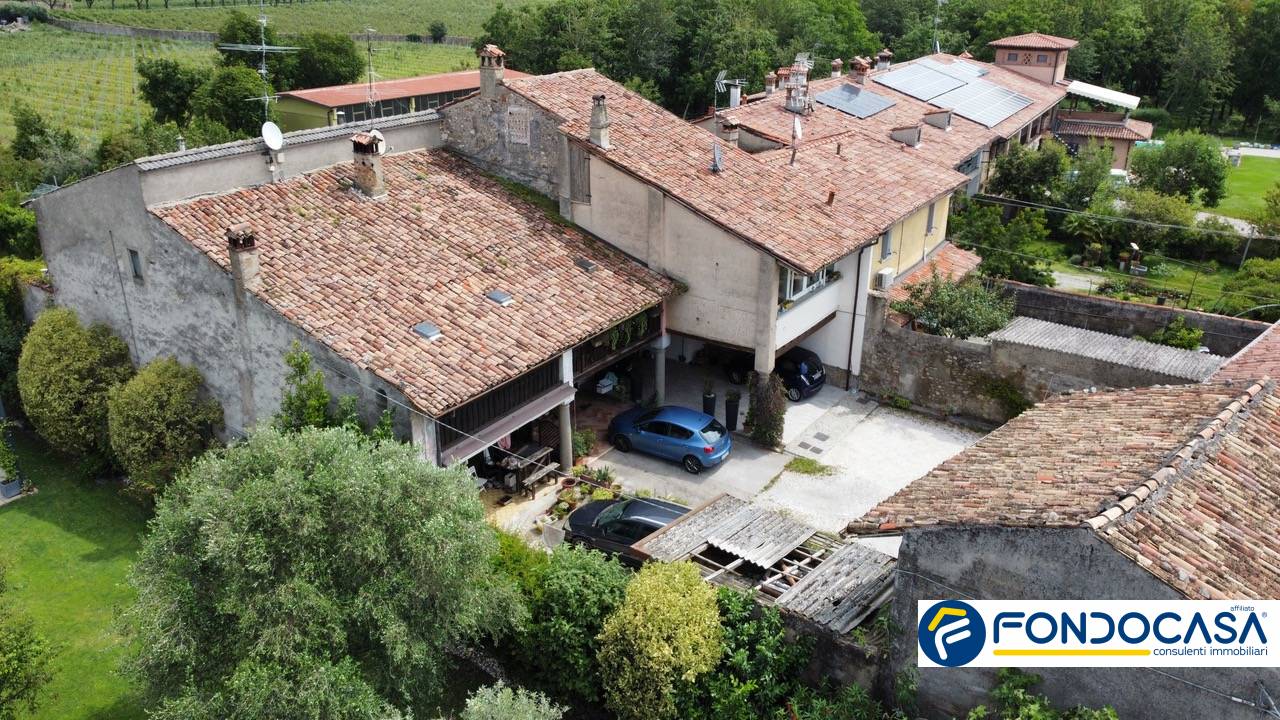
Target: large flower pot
<point>731,413</point>
<point>9,486</point>
<point>709,403</point>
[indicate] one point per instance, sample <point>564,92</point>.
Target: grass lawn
<point>1246,186</point>
<point>68,549</point>
<point>87,83</point>
<point>392,17</point>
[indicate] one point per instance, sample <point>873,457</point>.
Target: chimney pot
<point>770,82</point>
<point>859,68</point>
<point>837,68</point>
<point>242,248</point>
<point>729,130</point>
<point>831,197</point>
<point>492,64</point>
<point>884,59</point>
<point>367,147</point>
<point>599,122</point>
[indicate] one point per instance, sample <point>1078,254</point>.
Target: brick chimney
<point>858,69</point>
<point>837,68</point>
<point>242,247</point>
<point>599,122</point>
<point>492,62</point>
<point>367,148</point>
<point>770,82</point>
<point>884,59</point>
<point>797,86</point>
<point>728,130</point>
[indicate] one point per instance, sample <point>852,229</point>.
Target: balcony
<point>622,339</point>
<point>796,317</point>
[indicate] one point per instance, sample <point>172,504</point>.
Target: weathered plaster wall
<point>911,243</point>
<point>1068,564</point>
<point>477,129</point>
<point>1223,335</point>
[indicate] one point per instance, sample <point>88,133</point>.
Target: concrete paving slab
<point>747,471</point>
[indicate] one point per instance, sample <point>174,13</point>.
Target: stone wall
<point>476,128</point>
<point>1222,335</point>
<point>992,563</point>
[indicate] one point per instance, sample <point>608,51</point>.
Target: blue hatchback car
<point>695,440</point>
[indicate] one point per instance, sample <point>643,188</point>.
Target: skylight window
<point>428,330</point>
<point>585,264</point>
<point>502,297</point>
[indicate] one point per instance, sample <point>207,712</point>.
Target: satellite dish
<point>272,136</point>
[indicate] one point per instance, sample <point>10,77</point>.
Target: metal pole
<point>1192,292</point>
<point>1247,242</point>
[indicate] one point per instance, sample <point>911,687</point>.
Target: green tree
<point>666,632</point>
<point>1030,174</point>
<point>18,235</point>
<point>956,309</point>
<point>311,574</point>
<point>226,99</point>
<point>1012,252</point>
<point>1161,222</point>
<point>438,31</point>
<point>24,660</point>
<point>305,402</point>
<point>13,330</point>
<point>326,59</point>
<point>158,422</point>
<point>167,86</point>
<point>54,152</point>
<point>1014,699</point>
<point>1267,220</point>
<point>1088,178</point>
<point>1259,56</point>
<point>758,670</point>
<point>572,595</point>
<point>1198,76</point>
<point>1189,164</point>
<point>499,702</point>
<point>1251,290</point>
<point>64,375</point>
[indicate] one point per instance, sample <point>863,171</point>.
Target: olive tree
<point>64,374</point>
<point>158,422</point>
<point>665,633</point>
<point>312,574</point>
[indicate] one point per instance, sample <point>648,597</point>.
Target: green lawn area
<point>87,82</point>
<point>393,17</point>
<point>68,549</point>
<point>1246,186</point>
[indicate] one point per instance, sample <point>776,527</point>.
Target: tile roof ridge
<point>1178,462</point>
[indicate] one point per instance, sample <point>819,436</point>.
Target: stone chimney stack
<point>242,246</point>
<point>837,68</point>
<point>367,149</point>
<point>858,69</point>
<point>884,59</point>
<point>599,122</point>
<point>797,85</point>
<point>728,130</point>
<point>770,82</point>
<point>492,62</point>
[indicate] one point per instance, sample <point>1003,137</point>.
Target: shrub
<point>64,374</point>
<point>666,632</point>
<point>956,309</point>
<point>18,234</point>
<point>583,441</point>
<point>759,667</point>
<point>1253,287</point>
<point>1014,699</point>
<point>306,401</point>
<point>576,590</point>
<point>11,11</point>
<point>438,31</point>
<point>499,702</point>
<point>766,413</point>
<point>13,329</point>
<point>1189,164</point>
<point>1177,334</point>
<point>24,660</point>
<point>849,703</point>
<point>413,38</point>
<point>518,562</point>
<point>158,422</point>
<point>1152,114</point>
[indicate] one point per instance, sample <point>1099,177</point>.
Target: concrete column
<point>766,314</point>
<point>566,438</point>
<point>423,430</point>
<point>660,346</point>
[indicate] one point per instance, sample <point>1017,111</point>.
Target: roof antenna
<point>937,45</point>
<point>371,94</point>
<point>262,48</point>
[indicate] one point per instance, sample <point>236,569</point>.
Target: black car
<point>801,371</point>
<point>613,526</point>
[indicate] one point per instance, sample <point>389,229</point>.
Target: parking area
<point>866,451</point>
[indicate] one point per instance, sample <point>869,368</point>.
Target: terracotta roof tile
<point>359,273</point>
<point>339,95</point>
<point>1035,41</point>
<point>950,261</point>
<point>777,209</point>
<point>1260,358</point>
<point>1131,129</point>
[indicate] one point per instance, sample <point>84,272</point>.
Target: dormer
<point>1037,55</point>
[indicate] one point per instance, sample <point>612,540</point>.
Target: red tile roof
<point>771,207</point>
<point>359,273</point>
<point>950,261</point>
<point>1133,130</point>
<point>1035,41</point>
<point>1042,96</point>
<point>1182,480</point>
<point>1260,358</point>
<point>339,95</point>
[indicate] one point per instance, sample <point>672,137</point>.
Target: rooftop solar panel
<point>919,81</point>
<point>958,69</point>
<point>853,100</point>
<point>983,102</point>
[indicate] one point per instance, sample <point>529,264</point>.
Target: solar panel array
<point>957,86</point>
<point>853,100</point>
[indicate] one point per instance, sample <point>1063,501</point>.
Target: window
<point>928,225</point>
<point>1042,59</point>
<point>135,262</point>
<point>793,285</point>
<point>1011,57</point>
<point>628,530</point>
<point>679,433</point>
<point>886,243</point>
<point>518,126</point>
<point>657,427</point>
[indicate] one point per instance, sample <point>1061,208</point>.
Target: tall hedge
<point>158,422</point>
<point>64,374</point>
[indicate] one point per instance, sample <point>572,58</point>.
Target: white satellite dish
<point>272,136</point>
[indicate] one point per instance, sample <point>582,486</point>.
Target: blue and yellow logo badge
<point>952,633</point>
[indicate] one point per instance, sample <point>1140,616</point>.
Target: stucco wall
<point>910,241</point>
<point>1069,564</point>
<point>184,305</point>
<point>477,129</point>
<point>1223,335</point>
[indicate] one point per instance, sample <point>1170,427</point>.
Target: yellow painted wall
<point>910,242</point>
<point>300,115</point>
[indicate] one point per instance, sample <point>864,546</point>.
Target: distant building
<point>342,104</point>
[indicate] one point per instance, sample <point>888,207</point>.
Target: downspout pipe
<point>853,323</point>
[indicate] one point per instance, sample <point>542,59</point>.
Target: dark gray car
<point>613,526</point>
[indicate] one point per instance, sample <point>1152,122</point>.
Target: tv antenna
<point>263,49</point>
<point>804,59</point>
<point>371,93</point>
<point>733,87</point>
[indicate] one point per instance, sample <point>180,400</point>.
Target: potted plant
<point>10,480</point>
<point>568,497</point>
<point>708,397</point>
<point>731,402</point>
